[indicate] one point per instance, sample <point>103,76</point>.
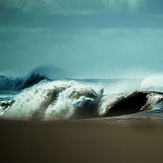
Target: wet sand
<point>94,141</point>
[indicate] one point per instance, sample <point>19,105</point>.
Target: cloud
<point>130,4</point>
<point>82,13</point>
<point>83,7</point>
<point>54,6</point>
<point>72,6</point>
<point>153,7</point>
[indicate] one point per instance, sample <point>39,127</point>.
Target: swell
<point>17,84</point>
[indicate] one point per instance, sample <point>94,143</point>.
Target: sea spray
<point>77,99</point>
<point>53,100</point>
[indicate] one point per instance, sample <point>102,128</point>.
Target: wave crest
<point>55,100</point>
<point>17,84</point>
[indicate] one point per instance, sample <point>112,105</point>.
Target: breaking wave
<point>16,84</point>
<point>36,97</point>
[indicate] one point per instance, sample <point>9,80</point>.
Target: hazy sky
<point>82,38</point>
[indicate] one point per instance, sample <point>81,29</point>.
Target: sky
<point>82,38</point>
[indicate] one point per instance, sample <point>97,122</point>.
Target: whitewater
<point>36,97</point>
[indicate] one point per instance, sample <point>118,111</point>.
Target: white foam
<point>68,101</point>
<point>32,102</point>
<point>50,101</point>
<point>153,82</point>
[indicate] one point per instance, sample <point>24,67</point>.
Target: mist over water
<point>38,97</point>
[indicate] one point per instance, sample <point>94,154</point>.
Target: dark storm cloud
<point>105,20</point>
<point>108,13</point>
<point>83,6</point>
<point>153,6</point>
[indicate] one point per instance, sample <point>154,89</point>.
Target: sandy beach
<point>93,141</point>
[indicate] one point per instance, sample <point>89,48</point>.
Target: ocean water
<point>37,97</point>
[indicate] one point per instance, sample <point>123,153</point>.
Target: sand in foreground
<point>81,141</point>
